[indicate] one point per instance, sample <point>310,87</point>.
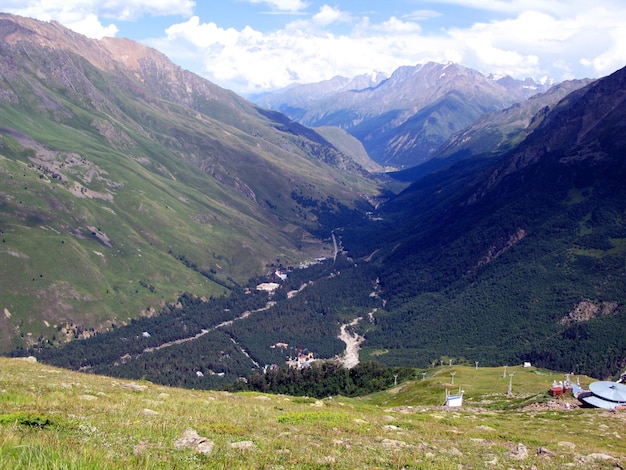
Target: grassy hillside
<point>52,418</point>
<point>349,145</point>
<point>126,181</point>
<point>99,244</point>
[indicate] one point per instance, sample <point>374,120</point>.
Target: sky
<point>255,46</point>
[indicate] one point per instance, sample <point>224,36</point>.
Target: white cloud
<point>83,16</point>
<point>306,50</point>
<point>395,26</point>
<point>91,27</point>
<point>558,38</point>
<point>420,15</point>
<point>329,15</point>
<point>291,6</point>
<point>603,49</point>
<point>590,43</point>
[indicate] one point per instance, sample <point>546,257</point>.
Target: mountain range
<point>403,119</point>
<point>136,194</point>
<point>494,133</point>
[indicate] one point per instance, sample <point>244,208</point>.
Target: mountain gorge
<point>127,180</point>
<point>141,206</point>
<point>497,257</point>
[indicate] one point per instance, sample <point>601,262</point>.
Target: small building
<point>556,390</point>
<point>454,400</point>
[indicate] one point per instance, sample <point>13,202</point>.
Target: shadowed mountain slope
<point>516,258</point>
<point>493,134</point>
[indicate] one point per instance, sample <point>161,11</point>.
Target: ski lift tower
<point>510,390</point>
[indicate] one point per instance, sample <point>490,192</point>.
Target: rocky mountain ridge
<point>493,134</point>
<point>297,96</point>
<point>404,119</point>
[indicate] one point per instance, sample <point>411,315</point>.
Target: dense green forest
<point>324,379</point>
<point>192,343</point>
<point>481,317</point>
<point>103,352</point>
<point>432,290</point>
<point>492,278</point>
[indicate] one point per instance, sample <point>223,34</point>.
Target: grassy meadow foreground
<point>52,418</point>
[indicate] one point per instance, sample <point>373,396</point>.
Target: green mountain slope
<point>350,146</point>
<point>496,259</point>
<point>126,181</point>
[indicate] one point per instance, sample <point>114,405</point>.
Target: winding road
<point>203,332</point>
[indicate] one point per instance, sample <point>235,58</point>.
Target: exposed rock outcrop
<point>588,310</point>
